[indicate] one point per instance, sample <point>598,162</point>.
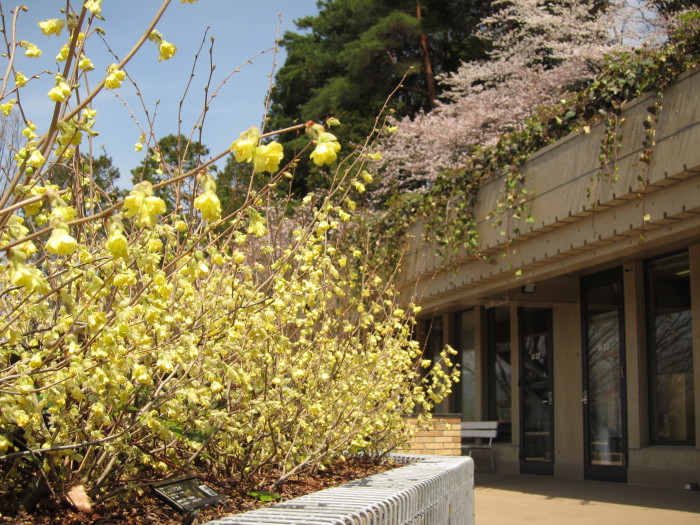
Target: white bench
<point>483,431</point>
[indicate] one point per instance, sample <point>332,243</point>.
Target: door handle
<point>584,397</point>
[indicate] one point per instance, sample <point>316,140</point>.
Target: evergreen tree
<point>179,155</point>
<point>100,170</point>
<point>354,53</point>
<point>673,6</point>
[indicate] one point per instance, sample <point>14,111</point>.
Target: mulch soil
<point>147,509</point>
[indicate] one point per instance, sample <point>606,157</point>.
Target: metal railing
<point>430,490</point>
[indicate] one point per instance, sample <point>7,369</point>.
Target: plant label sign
<point>186,494</point>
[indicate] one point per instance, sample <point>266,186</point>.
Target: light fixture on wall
<point>529,287</point>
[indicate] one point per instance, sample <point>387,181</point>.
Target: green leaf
<point>264,495</point>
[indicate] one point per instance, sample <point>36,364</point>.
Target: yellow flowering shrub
<point>134,336</point>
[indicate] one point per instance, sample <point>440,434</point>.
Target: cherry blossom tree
<point>541,51</point>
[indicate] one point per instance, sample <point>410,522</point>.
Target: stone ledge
<point>430,489</point>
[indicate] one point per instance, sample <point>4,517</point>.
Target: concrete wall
<point>572,231</point>
<point>619,225</point>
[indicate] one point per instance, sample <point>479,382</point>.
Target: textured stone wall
<point>441,438</point>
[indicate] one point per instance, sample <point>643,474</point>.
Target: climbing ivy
<point>447,207</point>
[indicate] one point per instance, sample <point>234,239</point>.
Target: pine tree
<point>354,53</point>
<point>179,154</point>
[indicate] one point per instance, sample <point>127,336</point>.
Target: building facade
<point>582,335</point>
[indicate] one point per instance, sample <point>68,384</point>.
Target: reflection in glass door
<point>537,416</point>
<point>604,395</point>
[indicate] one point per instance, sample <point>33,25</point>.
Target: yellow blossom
<point>268,157</point>
<point>256,226</point>
<point>61,242</point>
<point>358,186</point>
<point>367,177</point>
<point>30,49</point>
<point>117,245</point>
<point>143,205</point>
<point>36,361</point>
<point>62,213</point>
<point>20,417</point>
<point>325,152</point>
<point>63,53</point>
<point>85,63</point>
<point>35,207</point>
<point>16,228</point>
<point>114,77</point>
<point>244,147</point>
<point>52,27</point>
<point>94,6</point>
<point>20,79</point>
<point>29,130</point>
<point>36,159</point>
<point>210,206</point>
<point>60,92</point>
<point>23,251</point>
<point>6,108</point>
<point>166,50</point>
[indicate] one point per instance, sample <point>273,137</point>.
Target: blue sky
<point>241,30</point>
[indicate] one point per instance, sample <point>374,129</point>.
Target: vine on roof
<point>447,207</point>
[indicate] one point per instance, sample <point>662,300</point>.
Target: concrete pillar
<point>636,356</point>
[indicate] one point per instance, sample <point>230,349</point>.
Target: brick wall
<point>440,438</point>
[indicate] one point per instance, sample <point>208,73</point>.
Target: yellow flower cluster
<point>208,203</point>
<point>133,338</point>
<point>61,91</point>
<point>114,77</point>
<point>166,50</point>
<point>326,150</point>
<point>52,27</point>
<point>266,157</point>
<point>30,50</point>
<point>318,351</point>
<point>143,206</point>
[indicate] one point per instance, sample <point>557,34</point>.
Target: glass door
<point>536,387</point>
<point>604,393</point>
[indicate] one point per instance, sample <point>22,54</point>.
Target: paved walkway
<point>503,500</point>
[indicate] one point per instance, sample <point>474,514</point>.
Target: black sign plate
<point>186,494</point>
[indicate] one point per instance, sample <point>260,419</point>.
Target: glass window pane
<point>671,351</point>
<point>434,344</point>
<point>536,385</point>
<point>499,373</point>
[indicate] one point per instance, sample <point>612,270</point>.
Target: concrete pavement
<point>503,499</point>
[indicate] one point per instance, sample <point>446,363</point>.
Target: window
<point>671,388</point>
<point>434,343</point>
<point>499,370</point>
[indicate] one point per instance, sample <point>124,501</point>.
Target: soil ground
<point>146,509</point>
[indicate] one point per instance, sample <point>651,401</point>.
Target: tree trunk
<point>427,65</point>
